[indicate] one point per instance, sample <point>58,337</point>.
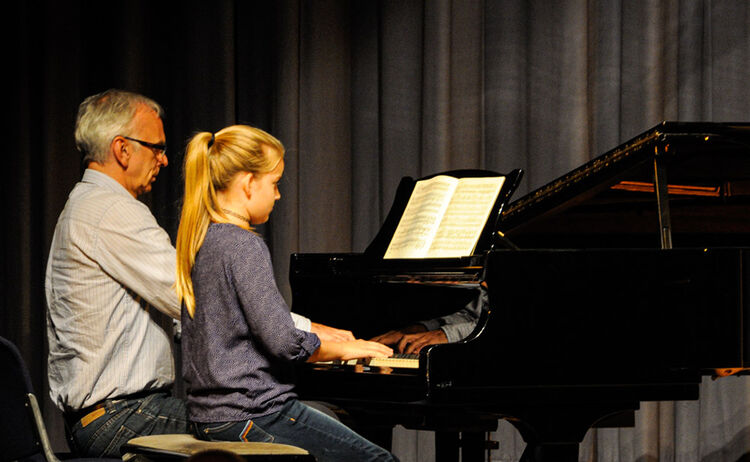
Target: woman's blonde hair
<point>211,162</point>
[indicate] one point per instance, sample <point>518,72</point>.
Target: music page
<point>421,217</point>
<point>465,217</point>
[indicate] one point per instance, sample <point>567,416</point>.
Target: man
<point>109,280</point>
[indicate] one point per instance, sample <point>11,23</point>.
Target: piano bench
<point>180,447</point>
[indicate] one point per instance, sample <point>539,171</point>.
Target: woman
<point>238,338</point>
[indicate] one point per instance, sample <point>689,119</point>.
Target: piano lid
<point>612,201</point>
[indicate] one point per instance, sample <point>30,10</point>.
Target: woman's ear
<point>247,183</point>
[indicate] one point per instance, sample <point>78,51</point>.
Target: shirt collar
<point>104,180</point>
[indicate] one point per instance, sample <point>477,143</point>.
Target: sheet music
<point>465,217</point>
<point>444,217</point>
<point>421,218</point>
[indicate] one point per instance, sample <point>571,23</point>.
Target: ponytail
<point>211,161</point>
<point>198,209</point>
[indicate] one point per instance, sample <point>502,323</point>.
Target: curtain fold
<point>363,93</point>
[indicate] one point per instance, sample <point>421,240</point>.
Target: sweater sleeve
<point>263,306</point>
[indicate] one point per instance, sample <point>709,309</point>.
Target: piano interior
<point>611,201</point>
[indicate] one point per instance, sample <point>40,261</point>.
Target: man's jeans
<point>124,419</point>
<point>298,425</point>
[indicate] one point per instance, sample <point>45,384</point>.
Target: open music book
<point>444,217</point>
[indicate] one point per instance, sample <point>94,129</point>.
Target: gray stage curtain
<point>363,93</point>
<point>389,89</point>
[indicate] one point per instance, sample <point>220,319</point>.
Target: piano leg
<point>553,432</point>
<point>473,446</point>
<point>446,446</point>
<point>380,435</point>
<point>470,445</point>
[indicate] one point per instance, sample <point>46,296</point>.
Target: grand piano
<point>622,281</point>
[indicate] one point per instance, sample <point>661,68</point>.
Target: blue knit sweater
<point>238,349</point>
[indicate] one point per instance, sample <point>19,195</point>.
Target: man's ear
<point>120,151</point>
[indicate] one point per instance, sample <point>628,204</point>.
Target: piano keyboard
<point>397,361</point>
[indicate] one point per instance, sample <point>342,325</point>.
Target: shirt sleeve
<point>265,310</point>
<point>301,322</point>
<point>460,324</point>
<point>137,253</point>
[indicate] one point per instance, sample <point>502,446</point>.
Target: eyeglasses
<point>161,149</point>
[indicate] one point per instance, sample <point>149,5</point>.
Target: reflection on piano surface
<point>628,286</point>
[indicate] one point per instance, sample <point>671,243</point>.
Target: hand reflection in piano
<point>411,339</point>
<point>446,329</point>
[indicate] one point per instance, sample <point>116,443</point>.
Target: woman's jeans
<point>298,425</point>
<point>123,419</point>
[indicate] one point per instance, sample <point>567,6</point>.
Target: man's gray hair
<point>105,115</point>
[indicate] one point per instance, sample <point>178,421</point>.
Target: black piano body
<point>620,282</point>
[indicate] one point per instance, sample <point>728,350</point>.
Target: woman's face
<point>264,192</point>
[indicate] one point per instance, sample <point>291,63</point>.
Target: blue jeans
<point>123,419</point>
<point>298,425</point>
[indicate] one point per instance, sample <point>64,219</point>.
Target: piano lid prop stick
<point>507,241</point>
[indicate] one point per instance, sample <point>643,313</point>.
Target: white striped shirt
<point>109,265</point>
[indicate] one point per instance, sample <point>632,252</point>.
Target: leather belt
<point>93,412</point>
